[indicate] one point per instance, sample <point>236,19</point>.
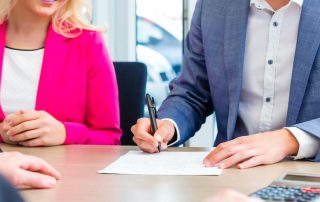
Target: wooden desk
<point>79,165</point>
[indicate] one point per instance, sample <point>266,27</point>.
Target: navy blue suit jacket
<point>7,192</point>
<point>211,78</point>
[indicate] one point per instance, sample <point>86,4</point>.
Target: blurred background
<point>152,32</point>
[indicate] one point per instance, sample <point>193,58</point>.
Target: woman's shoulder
<point>91,35</point>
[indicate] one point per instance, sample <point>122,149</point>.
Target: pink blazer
<point>78,87</point>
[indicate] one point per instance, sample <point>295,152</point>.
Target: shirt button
<point>270,62</point>
<point>275,24</point>
<point>268,99</point>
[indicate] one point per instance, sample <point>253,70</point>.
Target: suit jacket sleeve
<point>102,119</point>
<point>189,101</point>
<point>8,192</point>
<point>313,128</point>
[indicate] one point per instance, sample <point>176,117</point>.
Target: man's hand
<point>33,128</point>
<point>254,150</point>
<point>231,196</point>
<point>149,143</point>
<point>25,171</point>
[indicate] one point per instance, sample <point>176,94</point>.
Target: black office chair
<point>132,80</point>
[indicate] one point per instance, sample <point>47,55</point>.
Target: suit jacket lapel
<point>307,48</point>
<point>235,37</point>
<point>53,62</point>
<point>2,46</point>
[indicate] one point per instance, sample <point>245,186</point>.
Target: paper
<point>164,163</point>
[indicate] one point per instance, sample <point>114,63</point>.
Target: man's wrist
<point>292,143</point>
<point>176,136</point>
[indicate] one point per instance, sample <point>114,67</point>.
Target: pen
<point>153,116</point>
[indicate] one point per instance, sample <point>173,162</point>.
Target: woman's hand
<point>32,128</point>
<point>4,135</point>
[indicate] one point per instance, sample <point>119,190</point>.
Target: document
<point>163,163</point>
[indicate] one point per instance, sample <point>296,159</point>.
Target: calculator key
<point>312,190</point>
<point>266,198</point>
<point>290,198</point>
<point>301,200</point>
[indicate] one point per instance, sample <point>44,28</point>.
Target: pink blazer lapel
<point>52,65</point>
<point>55,52</point>
<point>2,46</point>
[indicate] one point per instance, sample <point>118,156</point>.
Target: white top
<point>270,52</point>
<point>269,57</point>
<point>20,78</point>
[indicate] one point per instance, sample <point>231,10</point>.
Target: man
<point>256,64</point>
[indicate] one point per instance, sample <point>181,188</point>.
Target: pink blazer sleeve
<point>102,119</point>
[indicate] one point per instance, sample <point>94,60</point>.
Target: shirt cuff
<point>308,144</point>
<point>177,131</point>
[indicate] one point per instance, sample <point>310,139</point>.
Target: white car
<point>160,72</point>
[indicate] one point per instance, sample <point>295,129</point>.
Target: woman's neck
<point>25,30</point>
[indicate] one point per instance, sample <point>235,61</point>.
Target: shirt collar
<point>262,4</point>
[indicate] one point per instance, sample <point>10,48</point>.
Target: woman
<point>58,84</point>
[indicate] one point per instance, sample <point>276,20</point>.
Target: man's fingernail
<point>206,163</point>
<point>241,166</point>
<point>221,165</point>
<point>164,146</point>
<point>158,138</point>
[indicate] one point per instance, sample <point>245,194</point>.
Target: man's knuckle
<point>222,146</point>
<point>243,139</point>
<point>230,150</point>
<point>244,153</point>
<point>132,129</point>
<point>141,120</point>
<point>14,179</point>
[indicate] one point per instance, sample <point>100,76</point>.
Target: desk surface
<point>79,164</point>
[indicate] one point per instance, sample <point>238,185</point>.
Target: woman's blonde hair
<point>69,20</point>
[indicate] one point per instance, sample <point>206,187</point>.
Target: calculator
<point>290,186</point>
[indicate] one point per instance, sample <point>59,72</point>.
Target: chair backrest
<point>132,80</point>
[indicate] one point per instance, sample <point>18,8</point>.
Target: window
<point>159,42</point>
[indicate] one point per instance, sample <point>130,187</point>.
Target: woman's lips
<point>48,1</point>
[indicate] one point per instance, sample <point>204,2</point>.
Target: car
<point>168,43</point>
<point>160,73</point>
